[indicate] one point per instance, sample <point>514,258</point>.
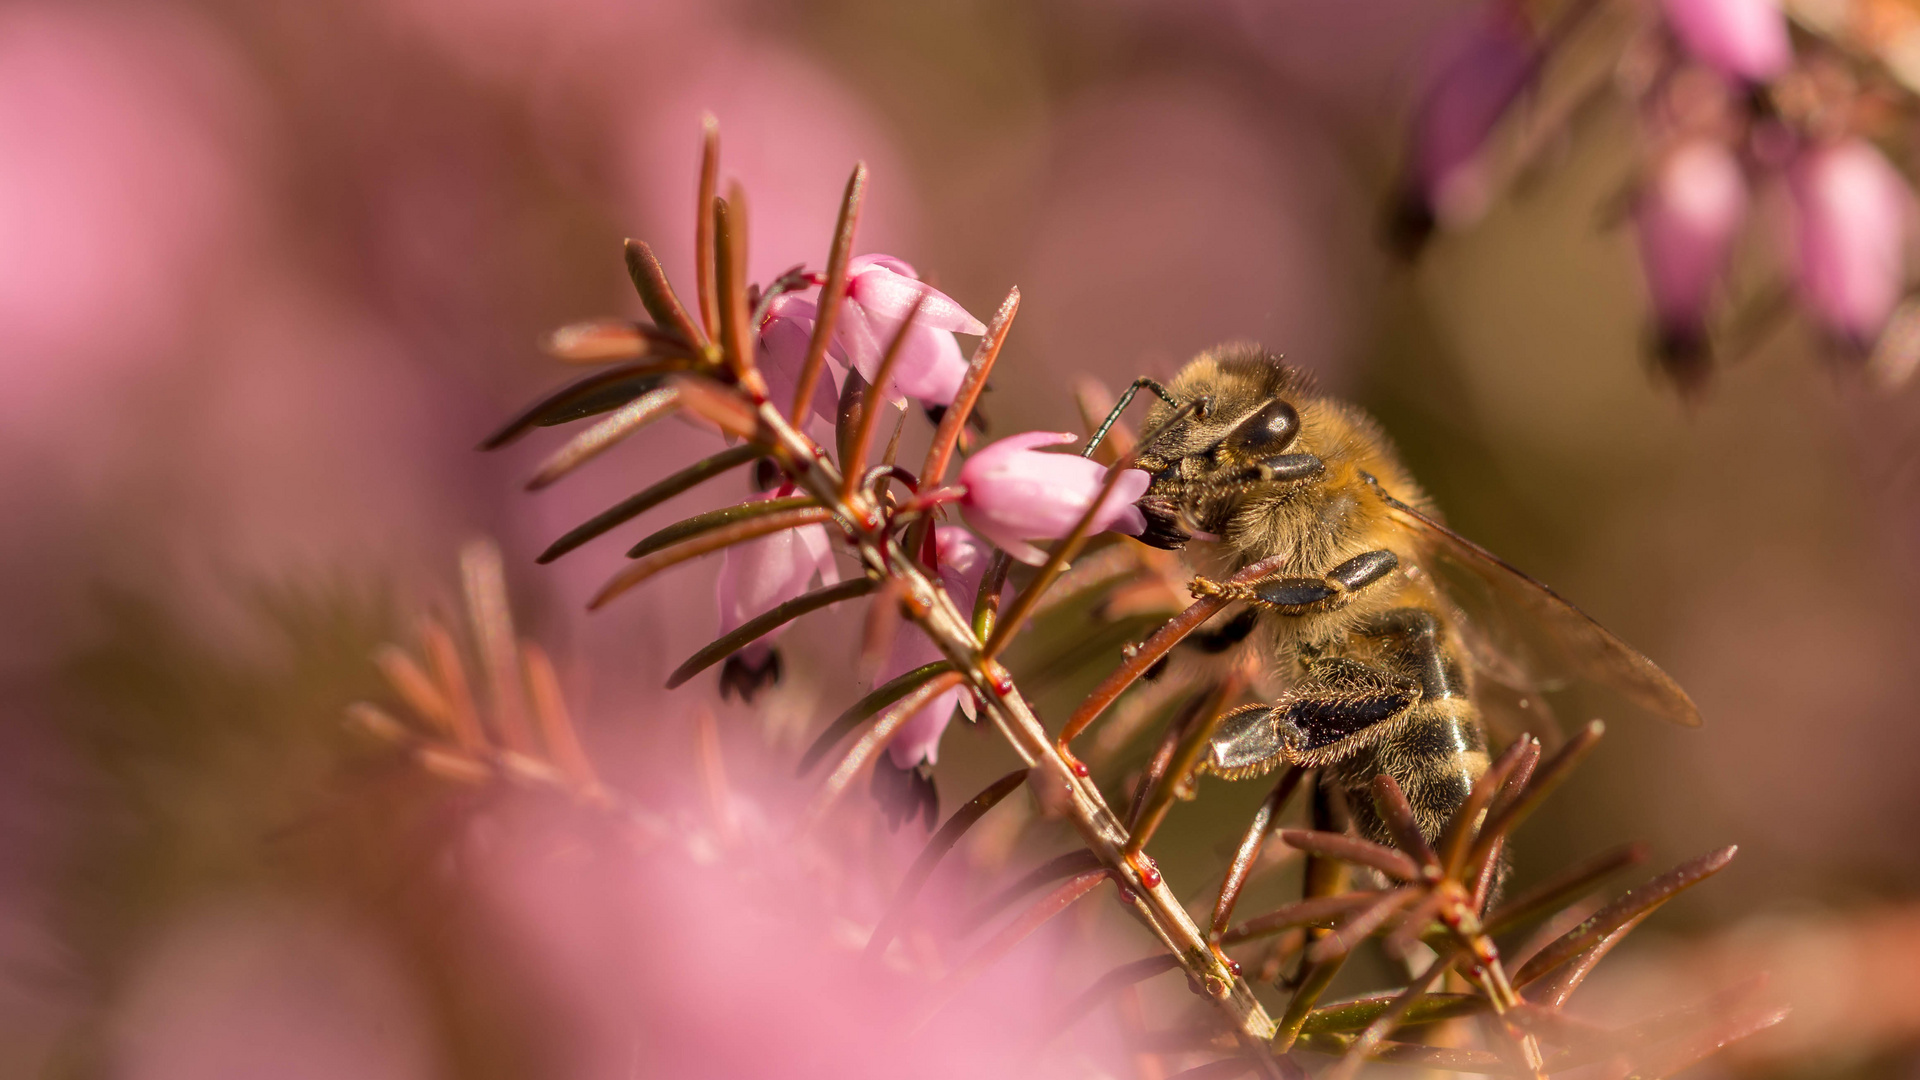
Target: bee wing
<point>1549,636</point>
<point>1510,699</point>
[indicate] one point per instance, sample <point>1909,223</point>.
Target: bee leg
<point>1341,706</point>
<point>1307,595</point>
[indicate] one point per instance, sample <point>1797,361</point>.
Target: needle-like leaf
<point>1066,865</point>
<point>1360,1012</point>
<point>1360,925</point>
<point>1010,935</point>
<point>633,506</point>
<point>832,293</point>
<point>650,281</point>
<point>947,435</point>
<point>1545,779</point>
<point>880,697</point>
<point>1634,903</point>
<point>1313,911</point>
<point>1249,850</point>
<point>874,741</point>
<point>703,237</point>
<point>1563,887</point>
<point>594,441</point>
<point>1456,841</point>
<point>713,519</point>
<point>761,625</point>
<point>853,461</point>
<point>1392,804</point>
<point>1391,1017</point>
<point>1354,850</point>
<point>602,391</point>
<point>604,341</point>
<point>705,543</point>
<point>937,848</point>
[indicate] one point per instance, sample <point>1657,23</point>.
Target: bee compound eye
<point>1273,427</point>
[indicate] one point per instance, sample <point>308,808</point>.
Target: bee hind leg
<point>1341,706</point>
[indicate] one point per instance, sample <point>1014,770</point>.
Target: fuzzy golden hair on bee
<point>1248,461</point>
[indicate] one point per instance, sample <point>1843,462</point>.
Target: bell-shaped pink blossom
<point>962,562</point>
<point>1015,494</point>
<point>1746,39</point>
<point>1477,72</point>
<point>760,575</point>
<point>783,351</point>
<point>881,290</point>
<point>1687,218</point>
<point>1852,207</point>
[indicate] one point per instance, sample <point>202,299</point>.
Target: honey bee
<point>1388,626</point>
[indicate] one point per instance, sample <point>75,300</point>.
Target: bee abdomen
<point>1436,755</point>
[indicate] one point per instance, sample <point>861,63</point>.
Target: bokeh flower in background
<point>1478,71</point>
<point>126,185</point>
<point>1852,210</point>
<point>1687,219</point>
<point>1746,39</point>
<point>1016,494</point>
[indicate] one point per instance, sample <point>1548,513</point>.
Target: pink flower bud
<point>760,575</point>
<point>962,563</point>
<point>1851,233</point>
<point>1015,494</point>
<point>1746,39</point>
<point>783,350</point>
<point>881,290</point>
<point>1478,71</point>
<point>1687,218</point>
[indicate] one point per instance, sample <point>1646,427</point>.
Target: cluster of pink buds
<point>1009,492</point>
<point>1732,106</point>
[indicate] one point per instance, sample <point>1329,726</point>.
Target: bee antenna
<point>1120,406</point>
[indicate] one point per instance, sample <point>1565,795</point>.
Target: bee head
<point>1232,435</point>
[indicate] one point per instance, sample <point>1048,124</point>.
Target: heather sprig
<point>940,621</point>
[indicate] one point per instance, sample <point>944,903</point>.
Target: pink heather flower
<point>881,290</point>
<point>1477,73</point>
<point>1851,231</point>
<point>1746,39</point>
<point>783,350</point>
<point>760,575</point>
<point>1015,494</point>
<point>1687,219</point>
<point>962,562</point>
